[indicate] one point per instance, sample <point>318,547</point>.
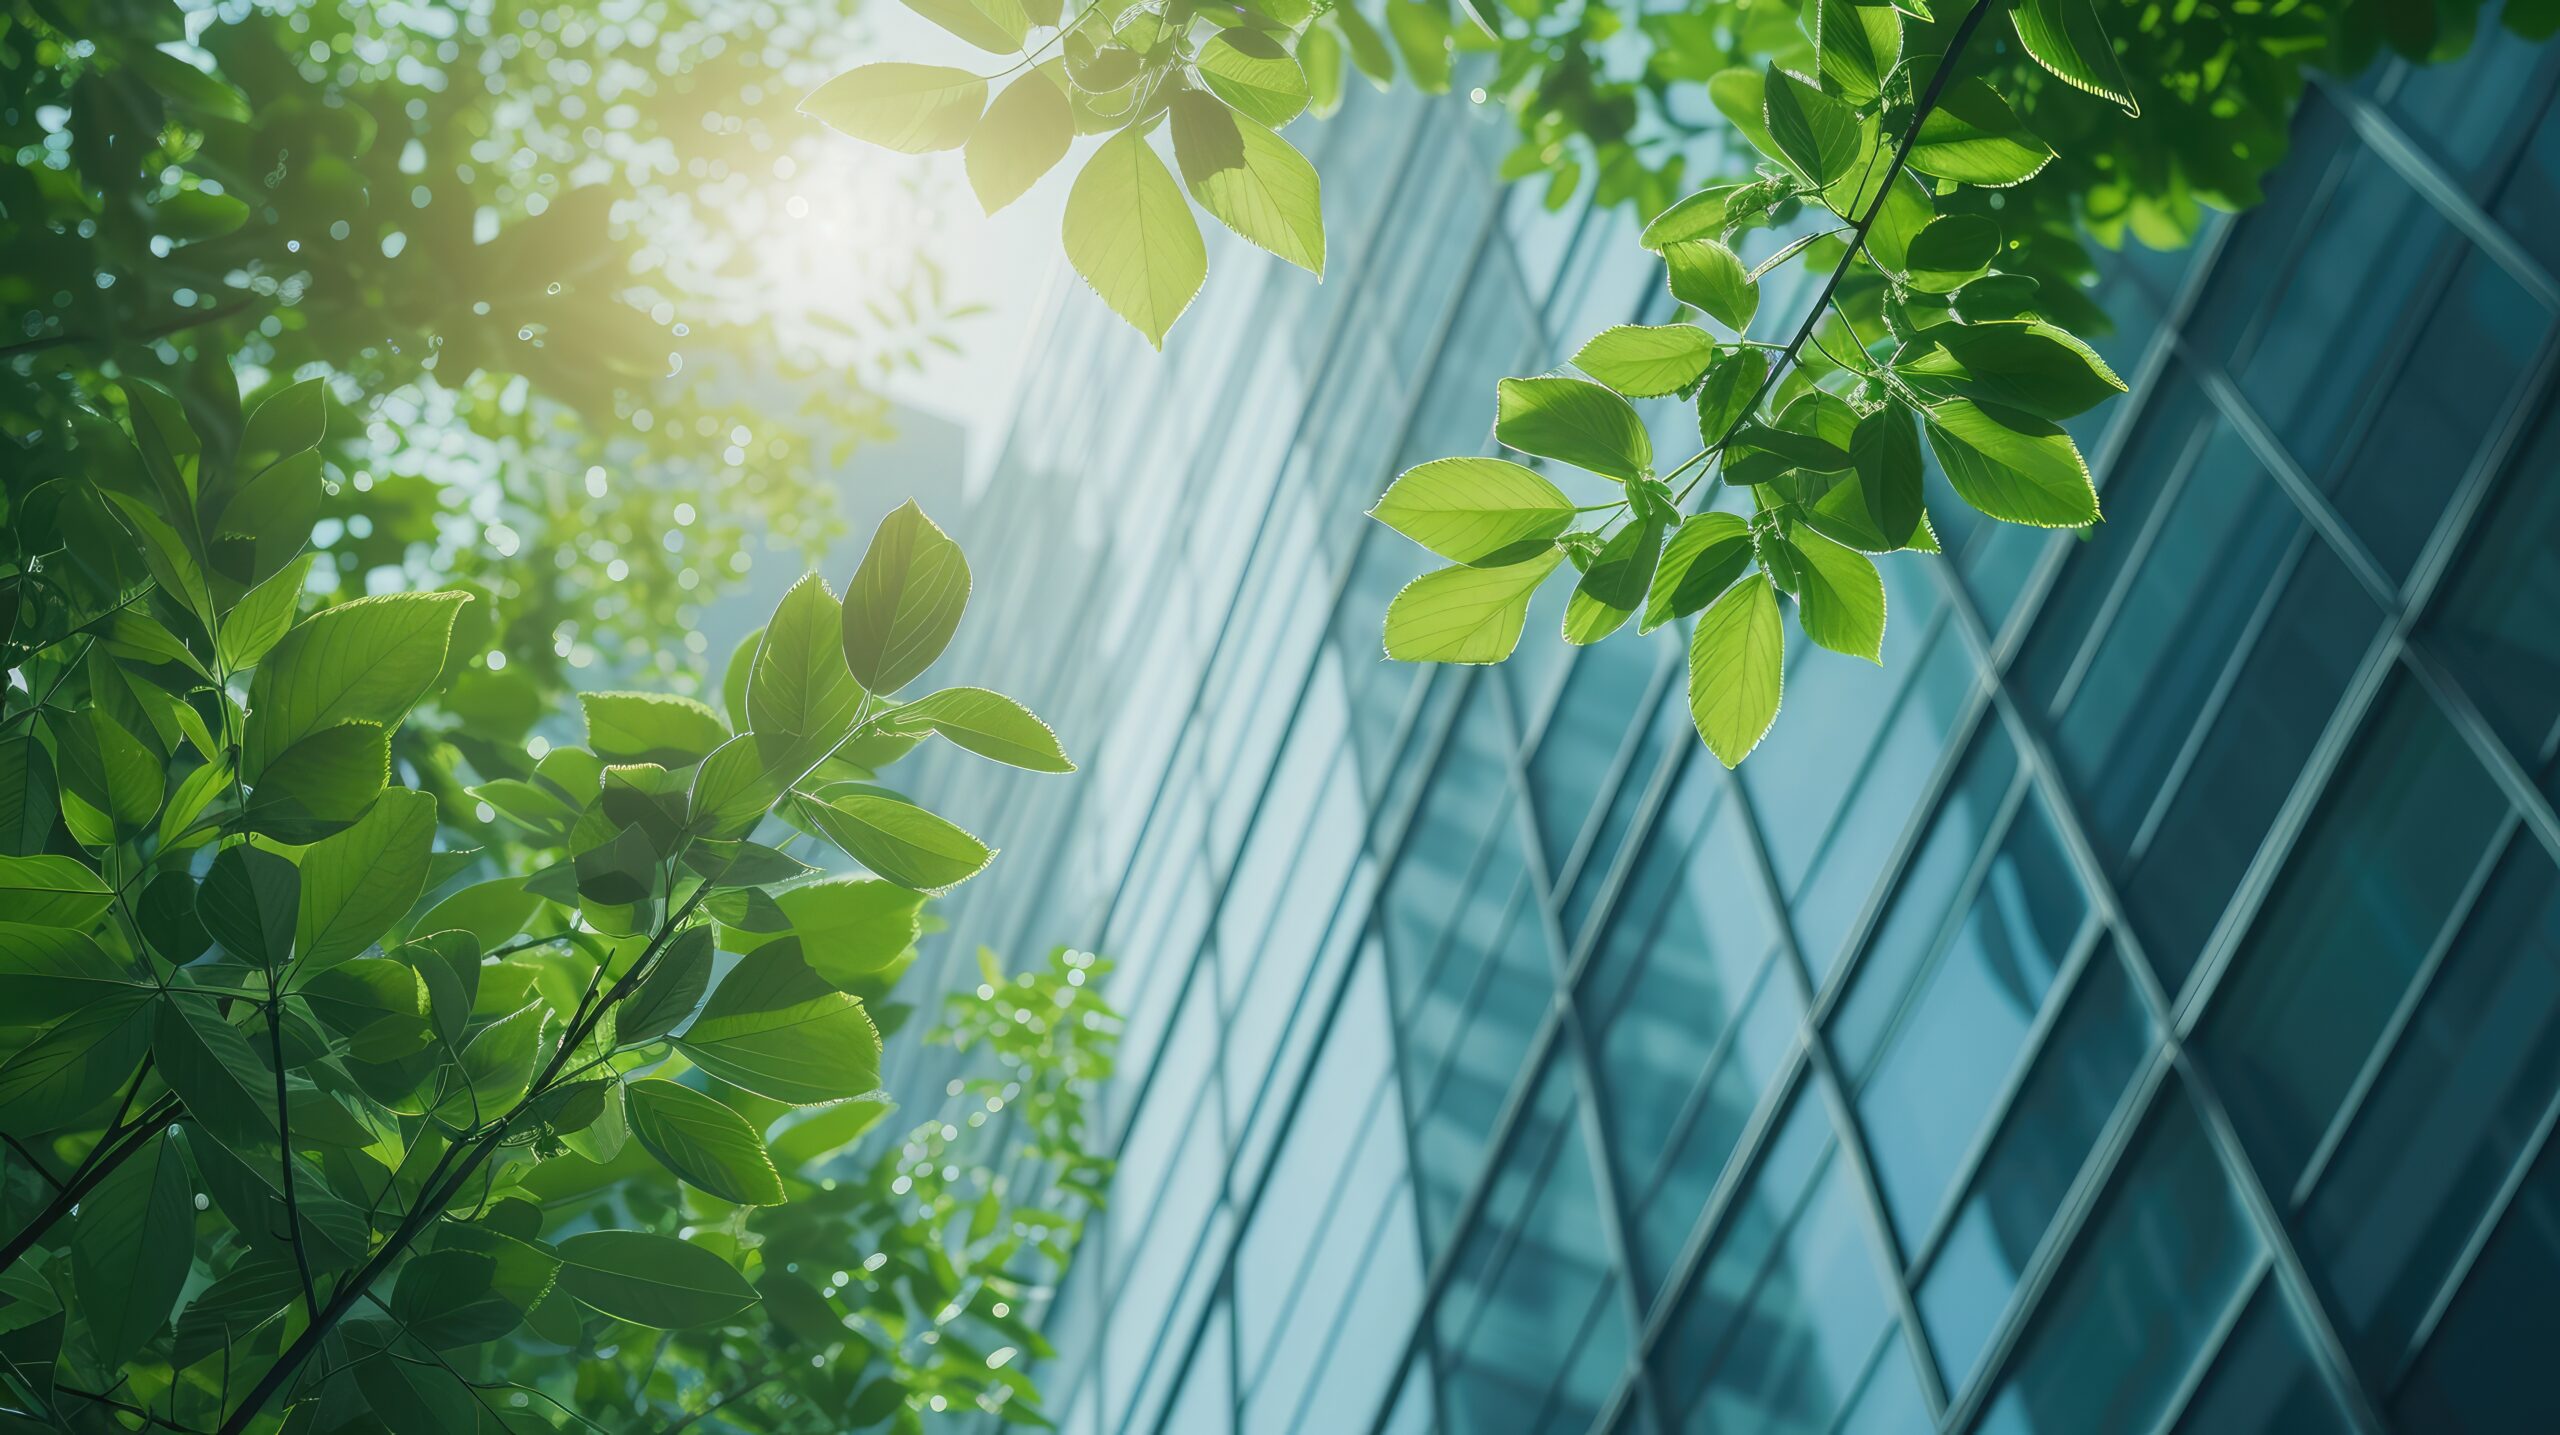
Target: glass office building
<point>2135,1007</point>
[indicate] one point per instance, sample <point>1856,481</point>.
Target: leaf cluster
<point>317,1120</point>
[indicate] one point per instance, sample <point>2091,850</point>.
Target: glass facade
<point>2134,1007</point>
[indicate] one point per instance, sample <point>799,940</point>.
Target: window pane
<point>2361,900</point>
<point>2492,624</point>
<point>2164,1254</point>
<point>1972,806</point>
<point>1778,1328</point>
<point>2176,886</point>
<point>2478,339</point>
<point>2447,1119</point>
<point>2309,369</point>
<point>2488,1365</point>
<point>2263,1382</point>
<point>2185,611</point>
<point>2079,1078</point>
<point>1961,1033</point>
<point>1589,728</point>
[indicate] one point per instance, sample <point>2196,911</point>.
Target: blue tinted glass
<point>1960,1033</point>
<point>2479,337</point>
<point>2164,1254</point>
<point>1532,1328</point>
<point>2263,239</point>
<point>2182,614</point>
<point>2078,1079</point>
<point>2488,1364</point>
<point>1463,814</point>
<point>2491,623</point>
<point>1207,1400</point>
<point>1892,1403</point>
<point>1775,1334</point>
<point>2448,1117</point>
<point>1972,806</point>
<point>1584,738</point>
<point>2358,906</point>
<point>2463,111</point>
<point>2176,887</point>
<point>1666,1191</point>
<point>2156,460</point>
<point>2309,370</point>
<point>2263,1382</point>
<point>1465,1049</point>
<point>1802,772</point>
<point>2531,206</point>
<point>1668,737</point>
<point>1945,684</point>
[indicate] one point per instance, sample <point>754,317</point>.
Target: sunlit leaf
<point>1130,233</point>
<point>1465,615</point>
<point>913,109</point>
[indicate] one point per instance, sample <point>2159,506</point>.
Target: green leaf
<point>1741,95</point>
<point>2012,466</point>
<point>69,1026</point>
<point>1255,182</point>
<point>1647,361</point>
<point>1725,399</point>
<point>130,1251</point>
<point>1710,277</point>
<point>369,660</point>
<point>913,109</point>
<point>899,840</point>
<point>1857,44</point>
<point>670,992</point>
<point>292,420</point>
<point>2065,37</point>
<point>1483,512</point>
<point>359,882</point>
<point>263,615</point>
<point>1704,556</point>
<point>1320,55</point>
<point>1737,662</point>
<point>1886,453</point>
<point>109,771</point>
<point>379,1005</point>
<point>1368,48</point>
<point>1130,233</point>
<point>661,728</point>
<point>739,782</point>
<point>654,1281</point>
<point>1973,137</point>
<point>1465,615</point>
<point>703,1142</point>
<point>905,601</point>
<point>52,891</point>
<point>849,928</point>
<point>1613,587</point>
<point>248,1297</point>
<point>1023,136</point>
<point>2023,364</point>
<point>1253,72</point>
<point>496,1067</point>
<point>996,26</point>
<point>28,800</point>
<point>193,214</point>
<point>1576,421</point>
<point>475,1287</point>
<point>1422,32</point>
<point>228,1088</point>
<point>986,723</point>
<point>322,783</point>
<point>1950,250</point>
<point>490,911</point>
<point>1994,297</point>
<point>249,903</point>
<point>1840,598</point>
<point>1699,216</point>
<point>1816,133</point>
<point>773,1026</point>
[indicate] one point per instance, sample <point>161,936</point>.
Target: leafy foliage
<point>1936,180</point>
<point>318,1120</point>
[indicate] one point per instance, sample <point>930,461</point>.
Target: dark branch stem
<point>1866,221</point>
<point>110,1152</point>
<point>438,1195</point>
<point>284,1139</point>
